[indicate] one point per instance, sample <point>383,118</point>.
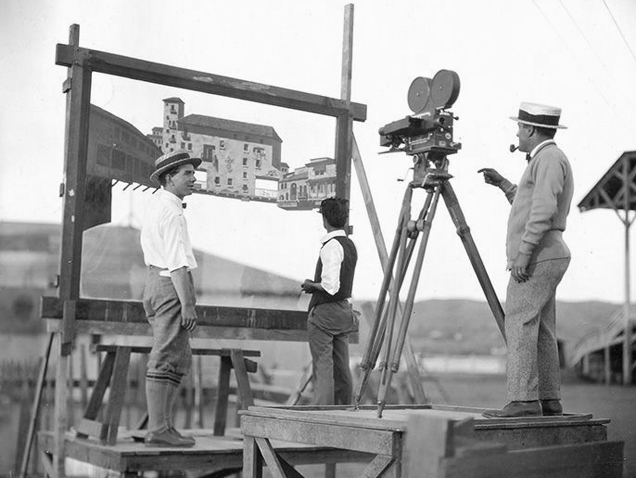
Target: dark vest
<point>347,270</point>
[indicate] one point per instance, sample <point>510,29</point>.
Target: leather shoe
<point>516,409</point>
<point>165,438</point>
<point>175,432</point>
<point>551,408</point>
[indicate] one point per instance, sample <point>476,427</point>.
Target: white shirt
<point>331,255</point>
<point>164,234</point>
<point>533,153</point>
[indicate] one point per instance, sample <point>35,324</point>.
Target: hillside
<point>458,326</point>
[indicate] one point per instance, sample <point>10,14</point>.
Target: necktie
<point>528,157</point>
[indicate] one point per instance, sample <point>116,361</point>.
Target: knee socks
<point>160,394</point>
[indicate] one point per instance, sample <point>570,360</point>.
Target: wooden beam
<point>130,311</point>
<point>142,70</point>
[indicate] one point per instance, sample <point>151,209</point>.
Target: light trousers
<point>533,370</point>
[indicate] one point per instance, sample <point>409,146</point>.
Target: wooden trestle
<point>576,437</point>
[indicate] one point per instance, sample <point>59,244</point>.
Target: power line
<point>589,44</point>
<point>545,17</point>
<point>620,31</point>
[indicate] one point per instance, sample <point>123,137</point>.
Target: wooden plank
<point>222,396</point>
<point>99,389</point>
<point>350,438</point>
<point>516,438</point>
<point>252,459</point>
<point>91,428</point>
<point>127,67</point>
<point>291,472</point>
<point>242,380</point>
<point>587,460</point>
<point>273,465</point>
<point>363,418</point>
<point>124,329</point>
<point>377,466</point>
<point>132,311</point>
<point>138,349</point>
<point>118,386</point>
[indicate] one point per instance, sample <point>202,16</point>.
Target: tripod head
<point>428,133</point>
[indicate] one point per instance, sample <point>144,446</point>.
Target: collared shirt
<point>331,256</point>
<point>536,149</point>
<point>164,234</point>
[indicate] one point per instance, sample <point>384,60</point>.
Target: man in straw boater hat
<point>537,259</point>
<point>169,295</point>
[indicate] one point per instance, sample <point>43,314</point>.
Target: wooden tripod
<point>386,323</point>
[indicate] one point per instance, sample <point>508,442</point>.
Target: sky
<point>574,54</point>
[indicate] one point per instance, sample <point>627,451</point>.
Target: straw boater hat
<point>171,160</point>
<point>543,116</point>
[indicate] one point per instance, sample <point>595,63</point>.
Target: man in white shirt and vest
<point>169,295</point>
<point>331,317</point>
<point>537,259</point>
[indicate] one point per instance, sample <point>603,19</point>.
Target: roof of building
<point>326,160</point>
<point>300,173</point>
<point>173,99</point>
<point>229,125</point>
<point>615,189</point>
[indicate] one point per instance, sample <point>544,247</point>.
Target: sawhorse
<point>114,372</point>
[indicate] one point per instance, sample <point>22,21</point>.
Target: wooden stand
<point>383,440</point>
<point>114,371</point>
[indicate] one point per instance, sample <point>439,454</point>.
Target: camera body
<point>430,128</point>
<point>431,131</point>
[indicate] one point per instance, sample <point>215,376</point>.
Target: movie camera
<point>430,128</point>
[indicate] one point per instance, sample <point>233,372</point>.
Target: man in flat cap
<point>169,295</point>
<point>331,317</point>
<point>537,259</point>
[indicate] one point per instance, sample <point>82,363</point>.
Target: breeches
<point>533,360</point>
<point>171,354</point>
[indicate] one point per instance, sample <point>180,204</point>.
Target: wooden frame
<point>81,64</point>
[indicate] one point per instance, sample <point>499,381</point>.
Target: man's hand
<point>188,317</point>
<point>519,269</point>
<point>308,286</point>
<point>491,176</point>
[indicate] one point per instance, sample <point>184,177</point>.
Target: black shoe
<point>516,409</point>
<point>165,438</point>
<point>551,408</point>
<point>175,432</point>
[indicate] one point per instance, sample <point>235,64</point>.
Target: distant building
<point>241,160</point>
<point>305,187</point>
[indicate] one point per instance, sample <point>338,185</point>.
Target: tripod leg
<point>369,357</point>
<point>377,346</point>
<point>408,307</point>
<point>463,231</point>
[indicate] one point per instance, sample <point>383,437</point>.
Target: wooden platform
<point>361,431</point>
<point>212,456</point>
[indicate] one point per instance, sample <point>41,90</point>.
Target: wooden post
<point>344,122</point>
<point>627,338</point>
<point>77,88</point>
